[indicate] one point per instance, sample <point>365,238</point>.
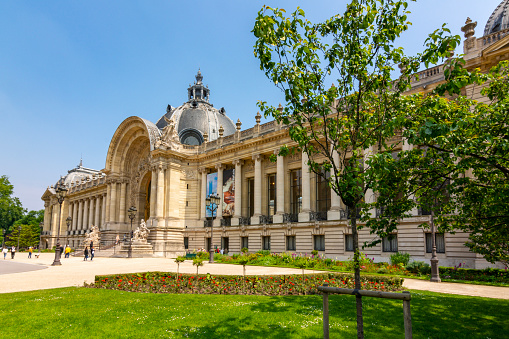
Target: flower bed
<point>486,275</point>
<point>162,282</point>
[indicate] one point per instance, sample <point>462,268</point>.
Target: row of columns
<point>280,189</point>
<point>87,211</point>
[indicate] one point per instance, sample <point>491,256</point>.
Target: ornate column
<point>122,209</point>
<point>113,202</point>
<point>107,200</point>
<point>255,219</point>
<point>335,199</point>
<point>47,216</point>
<point>97,209</point>
<point>91,211</point>
<point>369,197</point>
<point>153,192</point>
<point>104,210</point>
<point>54,219</point>
<point>85,215</point>
<point>219,212</point>
<point>306,189</point>
<point>203,195</point>
<point>280,189</point>
<point>80,216</point>
<point>70,210</point>
<point>74,215</point>
<point>160,196</point>
<point>238,192</point>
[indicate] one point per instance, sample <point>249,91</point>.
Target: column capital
<point>238,162</point>
<point>202,170</point>
<point>219,167</point>
<point>257,157</point>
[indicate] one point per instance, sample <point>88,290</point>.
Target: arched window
<point>191,137</point>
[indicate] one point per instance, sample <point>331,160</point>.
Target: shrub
<point>418,267</point>
<point>235,256</point>
<point>202,255</point>
<point>244,250</point>
<point>469,274</point>
<point>314,252</point>
<point>263,252</point>
<point>400,258</point>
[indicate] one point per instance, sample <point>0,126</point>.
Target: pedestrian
<point>67,251</point>
<point>117,239</point>
<point>30,250</point>
<point>86,254</point>
<point>13,252</point>
<point>4,251</point>
<point>92,253</point>
<point>222,251</point>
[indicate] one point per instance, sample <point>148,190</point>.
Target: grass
<point>96,313</point>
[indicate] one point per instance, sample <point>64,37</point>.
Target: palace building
<point>166,170</point>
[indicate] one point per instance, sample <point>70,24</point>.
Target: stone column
<point>255,219</point>
<point>335,199</point>
<point>97,209</point>
<point>47,216</point>
<point>113,202</point>
<point>79,224</point>
<point>54,219</point>
<point>219,211</point>
<point>104,210</point>
<point>238,192</point>
<point>408,147</point>
<point>306,189</point>
<point>280,189</point>
<point>91,212</point>
<point>70,210</point>
<point>122,209</point>
<point>160,196</point>
<point>107,200</point>
<point>153,193</point>
<point>74,215</point>
<point>85,215</point>
<point>203,195</point>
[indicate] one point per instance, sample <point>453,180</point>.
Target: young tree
<point>27,237</point>
<point>342,128</point>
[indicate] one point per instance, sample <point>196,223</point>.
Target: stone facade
<point>279,206</point>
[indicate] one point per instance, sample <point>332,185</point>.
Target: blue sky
<point>72,71</point>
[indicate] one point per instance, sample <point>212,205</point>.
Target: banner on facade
<point>211,189</point>
<point>228,193</point>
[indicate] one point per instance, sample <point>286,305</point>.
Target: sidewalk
<point>35,274</point>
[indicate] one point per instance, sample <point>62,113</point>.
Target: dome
<point>499,19</point>
<point>77,174</point>
<point>197,116</point>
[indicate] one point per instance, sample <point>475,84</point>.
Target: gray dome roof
<point>197,116</point>
<point>499,19</point>
<point>77,174</point>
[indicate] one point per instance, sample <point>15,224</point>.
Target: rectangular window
<point>296,191</point>
<point>390,243</point>
<point>319,241</point>
<point>290,243</point>
<point>439,242</point>
<point>186,243</point>
<point>323,191</point>
<point>271,194</point>
<point>250,194</point>
<point>266,243</point>
<point>244,242</point>
<point>349,242</point>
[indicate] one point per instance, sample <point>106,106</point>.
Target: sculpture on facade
<point>141,232</point>
<point>169,138</point>
<point>92,236</point>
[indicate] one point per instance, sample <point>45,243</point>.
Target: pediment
<point>501,46</point>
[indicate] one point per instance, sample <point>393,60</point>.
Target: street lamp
<point>212,204</point>
<point>60,193</point>
<point>19,232</point>
<point>131,212</point>
<point>435,273</point>
<point>68,222</point>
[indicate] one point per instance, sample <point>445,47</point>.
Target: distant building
<point>168,168</point>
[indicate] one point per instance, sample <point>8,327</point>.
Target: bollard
<point>325,314</point>
<point>407,316</point>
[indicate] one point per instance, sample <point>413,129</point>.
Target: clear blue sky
<point>72,71</point>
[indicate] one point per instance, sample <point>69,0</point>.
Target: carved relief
<point>190,174</point>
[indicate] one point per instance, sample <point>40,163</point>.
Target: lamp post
<point>60,192</point>
<point>131,212</point>
<point>212,204</point>
<point>68,222</point>
<point>435,273</point>
<point>19,232</point>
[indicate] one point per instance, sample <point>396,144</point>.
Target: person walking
<point>30,250</point>
<point>4,251</point>
<point>92,253</point>
<point>67,251</point>
<point>13,252</point>
<point>86,254</point>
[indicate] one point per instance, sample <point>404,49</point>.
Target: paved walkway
<point>23,274</point>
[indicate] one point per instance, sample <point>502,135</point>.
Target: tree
<point>344,128</point>
<point>33,219</point>
<point>10,207</point>
<point>27,237</point>
<point>471,138</point>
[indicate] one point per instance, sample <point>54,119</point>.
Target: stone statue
<point>92,236</point>
<point>169,138</point>
<point>141,232</point>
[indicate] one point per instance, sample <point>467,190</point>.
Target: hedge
<point>470,274</point>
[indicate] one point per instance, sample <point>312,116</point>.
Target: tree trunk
<point>357,274</point>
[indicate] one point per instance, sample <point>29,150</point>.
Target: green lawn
<point>97,313</point>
